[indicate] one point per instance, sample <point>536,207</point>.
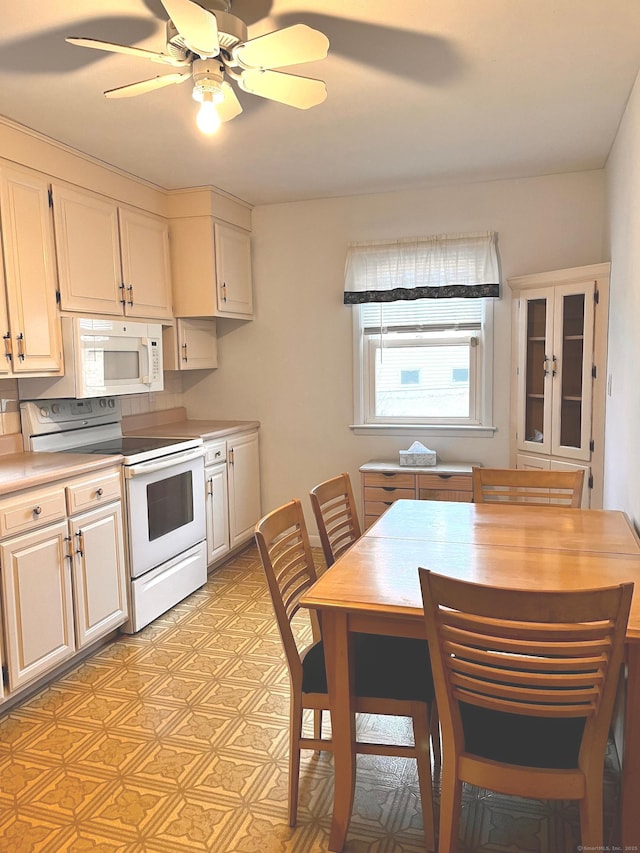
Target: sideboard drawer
<point>450,482</point>
<point>398,481</point>
<point>387,493</point>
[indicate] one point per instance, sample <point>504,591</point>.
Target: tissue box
<point>418,454</point>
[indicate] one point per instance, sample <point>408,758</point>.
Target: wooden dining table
<point>374,588</point>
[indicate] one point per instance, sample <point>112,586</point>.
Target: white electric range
<point>164,496</point>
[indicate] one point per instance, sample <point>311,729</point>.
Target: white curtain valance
<point>443,266</point>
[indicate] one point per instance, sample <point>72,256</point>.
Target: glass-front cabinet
<point>560,323</point>
<point>555,370</point>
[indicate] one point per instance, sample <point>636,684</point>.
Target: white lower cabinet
<point>37,603</point>
<point>542,463</point>
<point>217,508</point>
<point>243,461</point>
<point>63,581</point>
<point>99,574</point>
<point>232,486</point>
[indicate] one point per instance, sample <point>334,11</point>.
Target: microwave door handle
<point>146,373</point>
<point>131,471</point>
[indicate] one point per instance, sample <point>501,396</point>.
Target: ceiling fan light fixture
<point>208,120</point>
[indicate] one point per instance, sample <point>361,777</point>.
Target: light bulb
<point>208,119</point>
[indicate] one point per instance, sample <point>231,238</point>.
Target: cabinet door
<point>233,270</point>
<point>244,486</point>
<point>29,257</point>
<point>88,251</point>
<point>146,268</point>
<point>99,575</point>
<point>217,512</point>
<point>190,345</point>
<point>37,603</point>
<point>535,327</point>
<point>572,365</point>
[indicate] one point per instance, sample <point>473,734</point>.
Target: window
<point>423,315</point>
<point>423,361</point>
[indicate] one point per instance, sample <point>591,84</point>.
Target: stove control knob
<point>44,412</point>
<point>103,403</point>
<point>55,409</point>
<point>112,403</point>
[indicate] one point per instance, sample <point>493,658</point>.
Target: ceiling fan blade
<point>146,85</point>
<point>196,25</point>
<point>299,92</point>
<point>123,48</point>
<point>230,107</point>
<point>290,46</point>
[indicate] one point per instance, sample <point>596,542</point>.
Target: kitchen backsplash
<point>132,404</point>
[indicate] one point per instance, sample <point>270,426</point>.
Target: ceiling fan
<point>206,44</point>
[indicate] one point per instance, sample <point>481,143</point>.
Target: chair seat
<point>385,668</point>
<point>546,742</point>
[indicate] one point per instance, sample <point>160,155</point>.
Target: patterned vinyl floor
<point>175,740</point>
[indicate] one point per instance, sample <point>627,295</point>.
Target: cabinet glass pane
<point>573,313</point>
<point>535,369</point>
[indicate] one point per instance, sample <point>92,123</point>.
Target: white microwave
<point>103,358</point>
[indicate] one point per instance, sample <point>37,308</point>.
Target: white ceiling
<point>420,91</point>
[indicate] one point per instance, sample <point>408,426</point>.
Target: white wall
<point>291,367</point>
<point>622,445</point>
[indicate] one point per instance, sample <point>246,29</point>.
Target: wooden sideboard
<point>384,482</point>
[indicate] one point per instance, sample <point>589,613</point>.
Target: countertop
<point>160,425</point>
<point>20,471</point>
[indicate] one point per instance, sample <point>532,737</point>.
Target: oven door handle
<point>131,471</point>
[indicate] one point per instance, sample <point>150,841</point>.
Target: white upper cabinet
<point>111,259</point>
<point>233,270</point>
<point>211,268</point>
<point>30,323</point>
<point>146,267</point>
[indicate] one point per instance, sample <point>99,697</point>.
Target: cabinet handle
<point>210,482</point>
<point>184,352</point>
<point>8,354</point>
<point>217,453</point>
<point>69,554</point>
<point>37,510</point>
<point>20,341</point>
<point>130,299</point>
<point>80,548</point>
<point>545,365</point>
<point>231,455</point>
<point>99,493</point>
<point>555,365</point>
<point>224,291</point>
<point>123,300</point>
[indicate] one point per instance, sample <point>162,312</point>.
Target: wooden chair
<point>526,486</point>
<point>392,673</point>
<point>526,683</point>
<point>335,511</point>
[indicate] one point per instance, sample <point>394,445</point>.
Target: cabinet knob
<point>37,510</point>
<point>99,492</point>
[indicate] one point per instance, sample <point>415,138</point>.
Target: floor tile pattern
<point>175,740</point>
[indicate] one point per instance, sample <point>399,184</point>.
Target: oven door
<point>165,507</point>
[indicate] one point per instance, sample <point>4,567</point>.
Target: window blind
<point>422,315</point>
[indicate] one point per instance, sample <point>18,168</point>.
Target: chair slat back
<point>287,560</point>
<point>534,653</point>
<point>336,516</point>
<point>526,486</point>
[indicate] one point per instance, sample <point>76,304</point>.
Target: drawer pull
<point>217,453</point>
<point>99,492</point>
<point>445,476</point>
<point>388,503</point>
<point>388,474</point>
<point>37,510</point>
<point>388,488</point>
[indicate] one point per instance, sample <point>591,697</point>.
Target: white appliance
<point>164,496</point>
<point>103,358</point>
